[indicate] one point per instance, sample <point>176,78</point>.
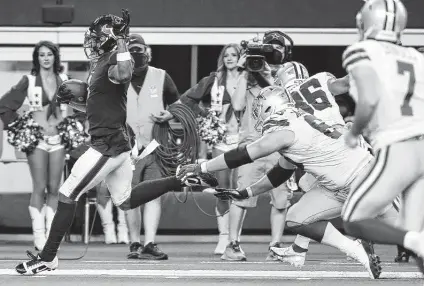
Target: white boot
<point>106,215</point>
<point>50,212</point>
<point>38,227</point>
<point>122,228</point>
<point>223,226</point>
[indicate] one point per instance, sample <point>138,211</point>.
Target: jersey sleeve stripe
<point>351,61</point>
<point>350,53</point>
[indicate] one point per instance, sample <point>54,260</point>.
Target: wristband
<point>203,167</point>
<point>122,57</point>
<point>237,157</point>
<point>249,192</point>
<point>278,175</point>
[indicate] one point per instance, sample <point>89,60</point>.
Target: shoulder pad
<point>274,123</point>
<point>279,120</point>
<point>324,76</point>
<point>359,53</point>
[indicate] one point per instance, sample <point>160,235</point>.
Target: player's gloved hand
<point>185,171</point>
<point>120,26</point>
<point>230,194</point>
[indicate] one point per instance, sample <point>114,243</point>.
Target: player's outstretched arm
<point>264,146</point>
<point>122,71</point>
<point>275,177</point>
<point>280,173</point>
<point>369,89</point>
<point>358,64</point>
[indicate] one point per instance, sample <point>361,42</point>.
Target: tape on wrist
<point>203,167</point>
<point>249,192</point>
<point>122,57</point>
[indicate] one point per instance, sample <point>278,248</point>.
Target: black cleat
<point>152,252</point>
<point>135,250</point>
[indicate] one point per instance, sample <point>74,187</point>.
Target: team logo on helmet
<point>271,100</point>
<point>382,20</point>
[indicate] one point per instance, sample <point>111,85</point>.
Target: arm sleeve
<point>12,101</point>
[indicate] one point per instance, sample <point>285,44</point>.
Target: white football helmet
<point>271,99</point>
<point>291,74</point>
<point>382,20</point>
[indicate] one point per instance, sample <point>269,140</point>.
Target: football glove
<point>120,26</point>
<point>185,171</point>
<point>228,194</point>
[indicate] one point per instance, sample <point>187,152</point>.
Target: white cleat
<point>287,254</point>
<point>370,261</point>
<point>36,265</point>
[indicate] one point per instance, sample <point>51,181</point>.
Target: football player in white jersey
<point>387,81</point>
<point>314,95</point>
<point>308,143</point>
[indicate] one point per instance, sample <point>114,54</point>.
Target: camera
<point>256,54</point>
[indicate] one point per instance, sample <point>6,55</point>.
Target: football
<point>73,92</point>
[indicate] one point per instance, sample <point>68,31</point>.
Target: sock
<point>314,230</point>
<point>375,231</point>
<point>149,190</point>
<point>301,243</point>
<point>334,238</point>
<point>61,223</point>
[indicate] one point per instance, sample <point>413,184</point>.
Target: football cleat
<point>36,265</point>
<point>364,254</point>
<point>287,254</point>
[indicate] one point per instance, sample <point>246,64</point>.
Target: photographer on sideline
<point>258,64</point>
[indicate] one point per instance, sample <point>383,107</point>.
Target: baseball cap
<point>136,40</point>
<point>274,37</point>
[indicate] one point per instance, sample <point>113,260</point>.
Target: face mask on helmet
<point>291,74</point>
<point>97,39</point>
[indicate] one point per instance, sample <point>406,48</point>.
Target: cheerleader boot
<point>122,228</point>
<point>223,226</point>
<point>106,215</point>
<point>38,227</point>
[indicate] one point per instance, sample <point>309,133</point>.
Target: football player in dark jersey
<point>108,157</point>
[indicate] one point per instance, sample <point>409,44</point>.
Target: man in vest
<point>150,91</point>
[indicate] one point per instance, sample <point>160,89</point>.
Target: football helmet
<point>103,32</point>
<point>382,20</point>
<point>290,75</point>
<point>271,99</point>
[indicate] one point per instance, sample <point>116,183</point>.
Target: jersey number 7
<point>404,68</point>
<point>311,97</point>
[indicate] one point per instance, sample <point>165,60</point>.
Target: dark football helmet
<point>103,32</point>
